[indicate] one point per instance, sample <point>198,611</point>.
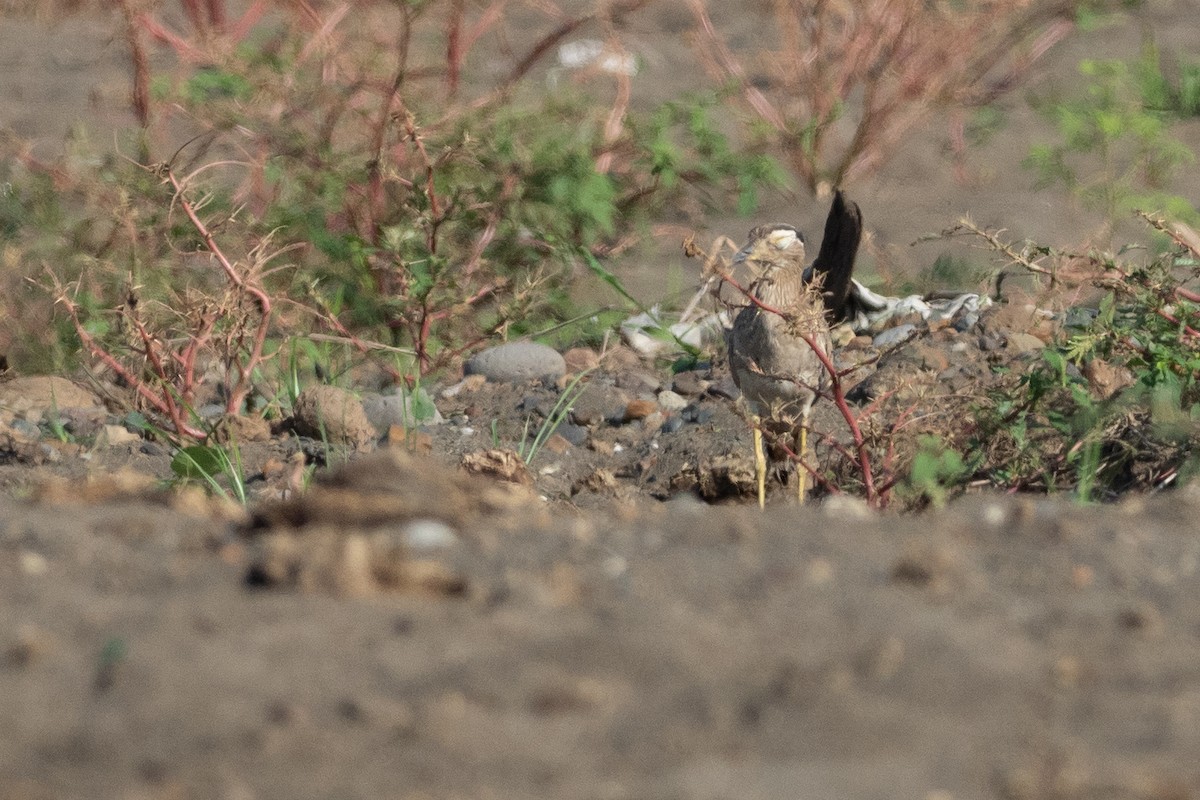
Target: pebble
<point>690,384</point>
<point>639,409</point>
<point>115,435</point>
<point>575,434</point>
<point>517,362</point>
<point>581,359</point>
<point>334,413</point>
<point>672,425</point>
<point>406,409</point>
<point>428,534</point>
<point>1024,343</point>
<point>670,401</point>
<point>896,335</point>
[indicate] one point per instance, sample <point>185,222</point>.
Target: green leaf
<point>199,462</point>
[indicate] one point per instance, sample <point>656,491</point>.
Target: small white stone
<point>429,534</point>
<point>33,563</point>
<point>995,515</point>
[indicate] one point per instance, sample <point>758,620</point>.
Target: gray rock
<point>1025,343</point>
<point>406,409</point>
<point>896,335</point>
<point>517,362</point>
<point>672,425</point>
<point>575,434</point>
<point>690,383</point>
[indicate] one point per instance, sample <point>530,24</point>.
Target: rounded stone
<point>896,335</point>
<point>517,362</point>
<point>406,409</point>
<point>429,534</point>
<point>43,393</point>
<point>333,413</point>
<point>670,401</point>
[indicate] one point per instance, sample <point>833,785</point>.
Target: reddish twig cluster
<point>164,372</point>
<point>845,82</point>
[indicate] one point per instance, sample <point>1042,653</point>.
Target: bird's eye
<point>782,239</point>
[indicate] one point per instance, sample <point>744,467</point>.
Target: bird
<point>775,338</point>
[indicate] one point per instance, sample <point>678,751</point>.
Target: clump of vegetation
<point>1112,407</point>
<point>354,178</point>
<point>1116,151</point>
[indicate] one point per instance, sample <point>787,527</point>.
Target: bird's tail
<point>834,266</point>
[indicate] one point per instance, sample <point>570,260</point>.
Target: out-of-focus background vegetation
<point>433,174</point>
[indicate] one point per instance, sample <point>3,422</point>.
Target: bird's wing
<point>834,265</point>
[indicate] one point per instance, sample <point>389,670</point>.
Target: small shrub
<point>1116,151</point>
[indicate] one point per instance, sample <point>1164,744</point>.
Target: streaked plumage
<point>778,372</point>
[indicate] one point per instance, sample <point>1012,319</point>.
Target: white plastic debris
<point>649,333</point>
<point>583,53</point>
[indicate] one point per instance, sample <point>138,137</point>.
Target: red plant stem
<point>454,52</point>
<point>1184,294</point>
<point>164,404</point>
<point>1187,329</point>
<point>141,66</point>
<point>184,49</point>
<point>839,399</point>
<point>245,366</point>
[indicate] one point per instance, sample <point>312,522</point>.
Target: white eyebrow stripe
<point>782,239</point>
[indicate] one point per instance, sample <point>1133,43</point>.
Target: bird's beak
<point>741,255</point>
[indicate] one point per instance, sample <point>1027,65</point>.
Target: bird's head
<point>770,247</point>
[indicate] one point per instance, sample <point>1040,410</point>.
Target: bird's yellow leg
<point>801,470</point>
<point>760,465</point>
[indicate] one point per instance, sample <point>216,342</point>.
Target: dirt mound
<point>1001,648</point>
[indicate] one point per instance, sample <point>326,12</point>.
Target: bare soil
<point>621,625</point>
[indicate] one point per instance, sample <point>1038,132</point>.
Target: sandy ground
<point>1015,648</point>
<point>409,633</point>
